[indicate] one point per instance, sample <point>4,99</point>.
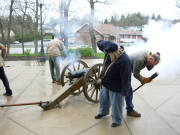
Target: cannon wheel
<point>92,83</point>
<point>72,66</point>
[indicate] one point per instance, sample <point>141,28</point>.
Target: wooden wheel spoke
<point>99,71</point>
<point>95,75</point>
<point>78,66</point>
<point>92,93</point>
<point>74,67</point>
<point>90,77</point>
<point>68,69</point>
<point>88,90</point>
<point>97,94</point>
<point>90,83</point>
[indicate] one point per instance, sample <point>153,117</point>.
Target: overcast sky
<point>166,8</point>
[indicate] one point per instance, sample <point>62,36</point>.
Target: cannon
<point>76,77</point>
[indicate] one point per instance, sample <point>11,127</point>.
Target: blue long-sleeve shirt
<point>118,76</point>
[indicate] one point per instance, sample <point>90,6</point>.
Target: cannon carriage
<point>77,78</point>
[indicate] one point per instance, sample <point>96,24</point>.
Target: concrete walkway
<point>158,103</point>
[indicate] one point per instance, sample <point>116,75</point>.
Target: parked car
<point>16,42</point>
<point>83,46</point>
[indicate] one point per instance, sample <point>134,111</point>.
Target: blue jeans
<point>112,99</point>
<point>129,98</point>
<point>54,64</point>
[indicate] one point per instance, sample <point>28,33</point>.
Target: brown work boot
<point>53,81</point>
<point>133,113</point>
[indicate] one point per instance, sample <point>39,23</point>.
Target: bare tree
<point>2,23</point>
<point>61,10</point>
<point>91,27</point>
<point>178,3</point>
<point>33,11</point>
<point>178,6</point>
<point>23,7</point>
<point>2,31</point>
<point>64,9</point>
<point>14,6</point>
<point>91,20</point>
<point>9,25</point>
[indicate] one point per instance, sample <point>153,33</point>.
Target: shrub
<point>27,52</point>
<point>87,51</point>
<point>27,37</point>
<point>71,50</point>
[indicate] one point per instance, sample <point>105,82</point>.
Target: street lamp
<point>42,59</point>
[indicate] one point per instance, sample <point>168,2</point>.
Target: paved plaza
<point>158,103</point>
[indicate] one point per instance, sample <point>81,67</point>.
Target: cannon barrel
<point>77,73</point>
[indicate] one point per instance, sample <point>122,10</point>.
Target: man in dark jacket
<point>116,81</point>
<point>3,76</point>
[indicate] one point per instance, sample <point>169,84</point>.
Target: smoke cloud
<point>163,37</point>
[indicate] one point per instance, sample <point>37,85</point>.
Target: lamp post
<point>42,59</point>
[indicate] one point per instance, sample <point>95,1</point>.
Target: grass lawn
<point>100,55</point>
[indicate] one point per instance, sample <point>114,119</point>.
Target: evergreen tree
<point>153,17</point>
<point>159,17</point>
<point>113,21</point>
<point>106,21</point>
<point>122,17</point>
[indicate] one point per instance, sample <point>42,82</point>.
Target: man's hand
<point>146,80</point>
<point>3,48</point>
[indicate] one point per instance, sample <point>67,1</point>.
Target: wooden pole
<point>21,104</point>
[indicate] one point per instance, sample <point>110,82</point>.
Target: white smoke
<point>163,37</point>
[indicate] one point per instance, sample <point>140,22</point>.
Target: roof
<point>109,29</point>
<point>104,29</point>
<point>130,33</point>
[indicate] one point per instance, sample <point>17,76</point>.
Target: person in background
<point>2,72</point>
<point>54,48</point>
<point>116,81</point>
<point>140,60</point>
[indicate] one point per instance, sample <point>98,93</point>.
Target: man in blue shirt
<point>116,81</point>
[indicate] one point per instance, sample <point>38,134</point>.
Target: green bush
<point>74,51</point>
<point>27,37</point>
<point>87,52</point>
<point>47,37</point>
<point>71,50</point>
<point>27,52</point>
<point>12,39</point>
